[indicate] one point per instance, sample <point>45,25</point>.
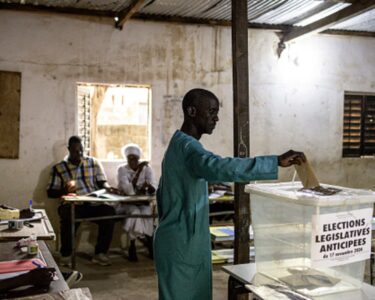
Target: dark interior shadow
<point>40,198</point>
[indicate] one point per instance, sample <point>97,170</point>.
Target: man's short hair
<point>194,96</point>
<point>75,139</point>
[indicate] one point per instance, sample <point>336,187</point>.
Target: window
<point>359,125</point>
<point>111,116</point>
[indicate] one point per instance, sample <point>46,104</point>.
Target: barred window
<point>359,125</point>
<point>111,116</point>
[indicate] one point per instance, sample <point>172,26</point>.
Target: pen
<point>28,224</point>
<point>31,204</point>
<point>37,264</point>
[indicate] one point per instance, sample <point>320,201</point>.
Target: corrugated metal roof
<point>205,9</point>
<point>364,22</point>
<point>105,5</point>
<point>291,10</point>
<point>322,14</point>
<point>270,12</point>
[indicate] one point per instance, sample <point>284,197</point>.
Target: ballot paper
<point>308,278</point>
<point>275,292</point>
<point>311,183</point>
<point>306,175</point>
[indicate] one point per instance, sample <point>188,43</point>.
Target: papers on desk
<point>221,195</point>
<point>12,266</point>
<point>222,233</point>
<point>216,194</point>
<point>103,194</point>
<point>225,233</point>
<point>108,197</point>
<point>72,294</point>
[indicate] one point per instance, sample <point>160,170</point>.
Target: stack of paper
<point>222,233</point>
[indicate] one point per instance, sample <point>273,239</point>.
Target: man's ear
<point>192,111</point>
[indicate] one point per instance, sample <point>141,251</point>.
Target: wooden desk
<point>42,229</point>
<point>8,252</point>
<point>134,200</point>
<point>244,276</point>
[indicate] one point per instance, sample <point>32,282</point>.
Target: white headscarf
<point>131,149</point>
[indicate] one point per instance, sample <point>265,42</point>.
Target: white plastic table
<point>244,276</point>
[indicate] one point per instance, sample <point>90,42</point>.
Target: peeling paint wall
<point>296,101</point>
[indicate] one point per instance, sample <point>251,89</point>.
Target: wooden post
<point>241,124</point>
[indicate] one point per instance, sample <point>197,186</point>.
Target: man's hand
<point>142,165</point>
<point>147,189</point>
<point>112,190</point>
<point>291,158</point>
<point>151,189</point>
<point>138,172</point>
<point>70,187</point>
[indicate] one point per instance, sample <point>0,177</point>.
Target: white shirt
<point>125,177</point>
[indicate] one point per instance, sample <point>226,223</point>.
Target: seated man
<point>135,178</point>
<point>80,175</point>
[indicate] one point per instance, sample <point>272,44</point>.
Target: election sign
<point>341,238</point>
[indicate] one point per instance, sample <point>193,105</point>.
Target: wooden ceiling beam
<point>349,32</point>
<point>321,7</point>
<point>124,15</point>
<point>351,11</point>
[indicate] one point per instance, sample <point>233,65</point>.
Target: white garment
<point>136,227</point>
<point>125,175</point>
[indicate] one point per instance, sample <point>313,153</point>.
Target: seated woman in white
<point>135,178</point>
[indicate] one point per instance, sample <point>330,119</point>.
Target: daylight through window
<point>111,116</point>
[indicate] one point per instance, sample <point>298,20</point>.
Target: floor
<point>126,280</point>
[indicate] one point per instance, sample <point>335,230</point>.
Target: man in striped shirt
<point>80,175</point>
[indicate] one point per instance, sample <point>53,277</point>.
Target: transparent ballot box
<point>317,244</point>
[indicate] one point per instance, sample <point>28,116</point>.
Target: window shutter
<point>369,126</point>
<point>353,107</point>
<point>84,113</point>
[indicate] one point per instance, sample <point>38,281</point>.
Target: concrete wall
<point>296,101</point>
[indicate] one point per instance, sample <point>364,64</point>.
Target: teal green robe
<point>182,247</point>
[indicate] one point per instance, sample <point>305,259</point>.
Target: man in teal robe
<point>182,247</point>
